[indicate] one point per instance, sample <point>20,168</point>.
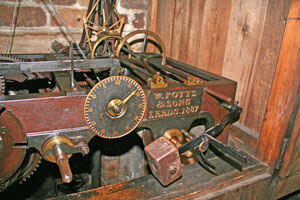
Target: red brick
<point>36,41</point>
<point>59,2</point>
<point>13,0</point>
<point>139,21</point>
<point>72,17</point>
<point>126,18</point>
<point>84,3</point>
<point>27,17</point>
<point>134,4</point>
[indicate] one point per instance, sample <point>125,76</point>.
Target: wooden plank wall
<point>239,39</point>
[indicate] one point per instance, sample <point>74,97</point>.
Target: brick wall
<point>38,29</point>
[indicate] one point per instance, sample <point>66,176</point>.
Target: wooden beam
<point>263,70</point>
<point>195,183</point>
<point>283,92</point>
<point>243,43</point>
<point>214,35</point>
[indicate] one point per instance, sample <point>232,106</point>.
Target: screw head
<point>173,170</point>
<point>84,150</point>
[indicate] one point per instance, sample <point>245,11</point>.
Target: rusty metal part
<point>13,144</point>
<point>157,82</point>
<point>165,163</point>
<point>147,33</point>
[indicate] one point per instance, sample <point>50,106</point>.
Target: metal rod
<point>69,32</point>
<point>57,65</point>
<point>144,43</point>
<point>72,65</point>
<point>189,69</point>
<point>167,69</point>
<point>13,28</point>
<point>129,52</point>
<point>135,67</point>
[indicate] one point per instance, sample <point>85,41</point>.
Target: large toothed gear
<point>33,162</point>
<point>17,77</point>
<point>6,58</point>
<point>12,133</point>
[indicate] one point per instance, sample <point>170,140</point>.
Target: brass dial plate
<point>115,107</point>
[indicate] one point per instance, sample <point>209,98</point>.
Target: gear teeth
<point>8,58</point>
<point>31,171</point>
<point>2,85</point>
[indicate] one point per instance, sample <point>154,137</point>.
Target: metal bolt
<point>3,130</point>
<point>173,170</point>
<point>84,149</point>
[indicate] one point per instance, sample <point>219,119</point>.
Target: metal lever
<point>233,153</point>
<point>199,151</point>
<point>204,162</point>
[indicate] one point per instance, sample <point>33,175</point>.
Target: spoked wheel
<point>106,47</point>
<point>149,44</point>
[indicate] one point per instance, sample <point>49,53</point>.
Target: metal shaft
<point>63,163</point>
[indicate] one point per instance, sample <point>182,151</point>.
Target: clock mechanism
<point>115,107</point>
